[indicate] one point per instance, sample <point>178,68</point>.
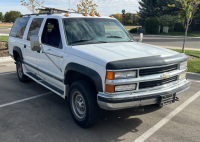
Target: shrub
<point>179,27</point>
<point>168,21</point>
<point>130,22</point>
<point>151,25</point>
<point>134,30</point>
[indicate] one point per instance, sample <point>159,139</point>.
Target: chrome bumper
<point>147,97</point>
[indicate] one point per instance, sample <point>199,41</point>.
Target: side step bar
<point>45,84</point>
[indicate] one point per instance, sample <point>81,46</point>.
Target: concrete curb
<point>4,34</point>
<point>166,36</point>
<point>5,59</point>
<point>198,74</point>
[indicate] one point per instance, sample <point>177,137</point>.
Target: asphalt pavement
<point>30,112</point>
<point>5,30</point>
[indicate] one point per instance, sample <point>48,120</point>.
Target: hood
<point>109,52</point>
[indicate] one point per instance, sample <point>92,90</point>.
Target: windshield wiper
<point>114,36</point>
<point>82,40</point>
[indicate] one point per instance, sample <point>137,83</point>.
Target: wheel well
<point>73,76</point>
<point>16,55</point>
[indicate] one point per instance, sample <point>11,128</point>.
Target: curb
<point>4,34</point>
<point>198,74</point>
<point>6,59</point>
<point>165,36</point>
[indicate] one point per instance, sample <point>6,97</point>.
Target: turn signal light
<point>91,14</point>
<point>111,16</point>
<point>85,15</point>
<point>110,88</point>
<point>110,75</point>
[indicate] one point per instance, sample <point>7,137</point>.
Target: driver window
<point>51,34</point>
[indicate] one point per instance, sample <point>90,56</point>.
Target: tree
<point>1,16</point>
<point>129,18</point>
<point>119,17</point>
<point>189,7</point>
<point>12,16</point>
<point>156,8</point>
<point>33,5</point>
<point>168,21</point>
<point>87,7</point>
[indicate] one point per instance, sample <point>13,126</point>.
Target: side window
<point>35,27</point>
<point>51,34</point>
<point>19,27</point>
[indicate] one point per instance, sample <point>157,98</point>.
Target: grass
<point>131,27</point>
<point>195,34</point>
<point>193,65</point>
<point>5,26</point>
<point>4,38</point>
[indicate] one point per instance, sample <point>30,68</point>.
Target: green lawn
<point>5,26</point>
<point>4,38</point>
<point>193,65</point>
<point>195,34</point>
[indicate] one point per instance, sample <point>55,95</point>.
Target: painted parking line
<point>156,127</point>
<point>7,73</point>
<point>23,100</point>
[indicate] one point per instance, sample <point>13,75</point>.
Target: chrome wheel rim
<point>20,71</point>
<point>78,105</point>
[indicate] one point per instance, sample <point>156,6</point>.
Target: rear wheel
<point>83,104</point>
<point>22,77</point>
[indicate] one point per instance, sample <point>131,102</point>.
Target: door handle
<point>24,45</point>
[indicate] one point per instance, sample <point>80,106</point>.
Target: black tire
<point>20,73</point>
<point>89,99</point>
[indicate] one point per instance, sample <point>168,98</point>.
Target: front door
<point>30,57</point>
<point>50,61</point>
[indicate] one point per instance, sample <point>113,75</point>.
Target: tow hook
<point>177,99</point>
<point>140,109</point>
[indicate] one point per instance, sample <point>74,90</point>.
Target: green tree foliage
<point>152,25</point>
<point>190,8</point>
<point>178,27</point>
<point>168,21</point>
<point>156,8</point>
<point>33,5</point>
<point>1,16</point>
<point>12,16</point>
<point>129,18</point>
<point>86,6</point>
<point>119,17</point>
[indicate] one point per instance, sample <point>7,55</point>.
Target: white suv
<point>95,63</point>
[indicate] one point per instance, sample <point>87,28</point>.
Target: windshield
<point>95,30</point>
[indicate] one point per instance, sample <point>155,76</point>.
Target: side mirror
<point>141,37</point>
<point>35,43</point>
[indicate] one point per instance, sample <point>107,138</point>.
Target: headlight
<point>125,87</point>
<point>183,65</point>
<point>121,75</point>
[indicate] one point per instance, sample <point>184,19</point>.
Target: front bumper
<point>148,97</point>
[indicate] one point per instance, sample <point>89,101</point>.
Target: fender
<point>18,50</point>
<point>92,74</point>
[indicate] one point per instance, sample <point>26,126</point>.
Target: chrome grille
<point>159,70</point>
<point>148,84</point>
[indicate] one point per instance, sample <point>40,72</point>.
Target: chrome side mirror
<point>35,43</point>
<point>141,37</point>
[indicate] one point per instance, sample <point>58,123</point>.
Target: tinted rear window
<point>19,27</point>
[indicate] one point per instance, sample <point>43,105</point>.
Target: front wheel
<point>22,77</point>
<point>83,104</point>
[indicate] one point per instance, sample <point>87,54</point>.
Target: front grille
<point>151,71</point>
<point>143,85</point>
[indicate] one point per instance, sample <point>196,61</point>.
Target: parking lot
<point>30,112</point>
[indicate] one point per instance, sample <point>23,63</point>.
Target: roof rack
<point>48,11</point>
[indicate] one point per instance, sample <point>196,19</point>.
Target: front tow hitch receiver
<point>167,99</point>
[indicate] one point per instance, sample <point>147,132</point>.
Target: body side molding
<point>92,74</point>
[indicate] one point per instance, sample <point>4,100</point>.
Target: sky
<point>106,7</point>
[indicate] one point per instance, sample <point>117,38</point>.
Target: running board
<point>45,84</point>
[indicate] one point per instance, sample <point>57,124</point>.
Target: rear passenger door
<point>50,64</point>
<point>30,57</point>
